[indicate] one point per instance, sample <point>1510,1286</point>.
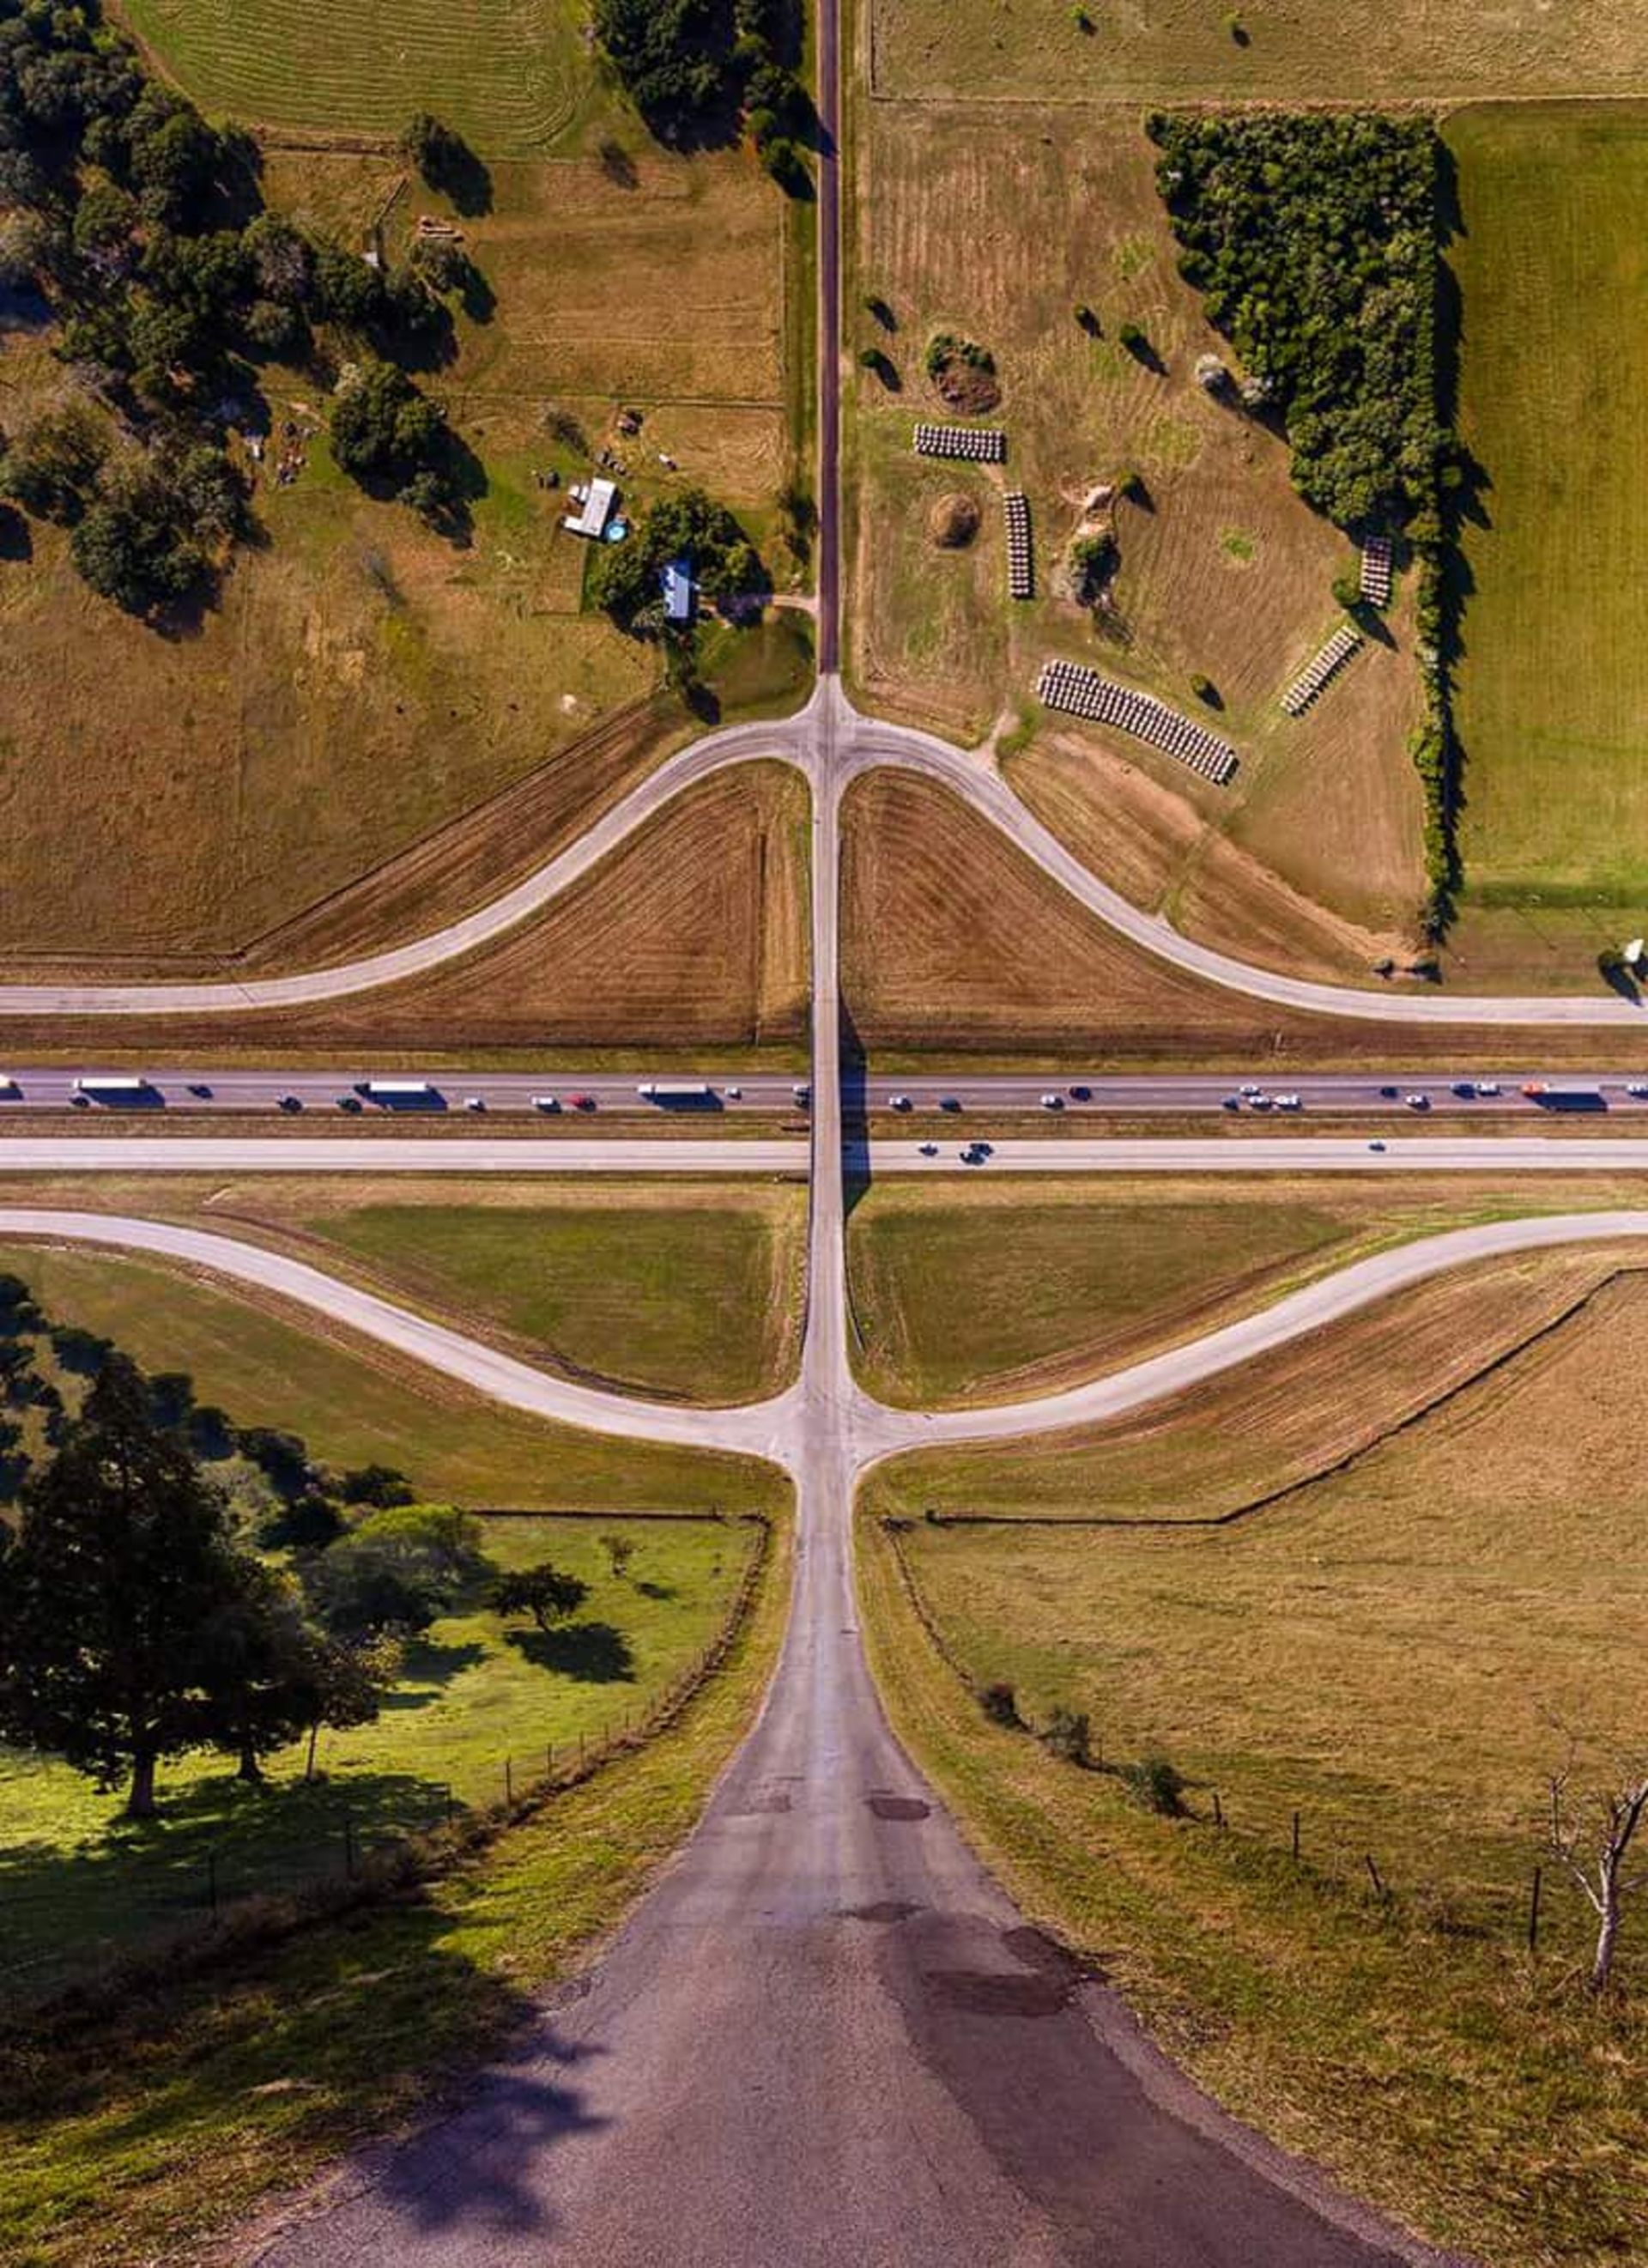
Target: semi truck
<point>1565,1098</point>
<point>678,1094</point>
<point>112,1088</point>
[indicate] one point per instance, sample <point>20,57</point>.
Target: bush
<point>1133,338</point>
<point>1204,689</point>
<point>383,424</point>
<point>1069,1736</point>
<point>1000,1703</point>
<point>1158,1786</point>
<point>1347,591</point>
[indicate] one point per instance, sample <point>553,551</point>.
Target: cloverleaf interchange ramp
<point>826,2037</point>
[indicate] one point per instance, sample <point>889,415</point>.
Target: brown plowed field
<point>692,932</point>
<point>955,942</point>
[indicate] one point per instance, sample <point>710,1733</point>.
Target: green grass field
<point>1028,1287</point>
<point>694,1294</point>
<point>511,76</point>
<point>1551,263</point>
<point>356,1405</point>
<point>77,1885</point>
<point>196,2102</point>
<point>1264,50</point>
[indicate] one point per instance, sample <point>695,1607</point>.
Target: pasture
<point>1394,1652</point>
<point>1264,51</point>
<point>965,223</point>
<point>511,76</point>
<point>79,1886</point>
<point>1553,686</point>
<point>1028,1287</point>
<point>366,689</point>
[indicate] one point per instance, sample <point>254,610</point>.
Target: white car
<point>546,1102</point>
<point>1417,1101</point>
<point>1288,1102</point>
<point>1491,1086</point>
<point>735,1094</point>
<point>1638,1087</point>
<point>1260,1102</point>
<point>898,1102</point>
<point>1052,1102</point>
<point>475,1102</point>
<point>1248,1086</point>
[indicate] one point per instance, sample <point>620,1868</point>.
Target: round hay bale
<point>953,522</point>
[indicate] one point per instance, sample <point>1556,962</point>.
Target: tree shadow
<point>594,1653</point>
<point>464,177</point>
<point>618,165</point>
<point>649,1589</point>
<point>429,1665</point>
<point>16,544</point>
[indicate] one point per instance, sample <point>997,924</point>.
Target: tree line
<point>171,1583</point>
<point>693,68</point>
<point>144,230</point>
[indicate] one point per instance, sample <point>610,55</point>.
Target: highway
<point>825,2038</point>
<point>214,1091</point>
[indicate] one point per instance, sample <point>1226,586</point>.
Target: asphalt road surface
<point>207,1090</point>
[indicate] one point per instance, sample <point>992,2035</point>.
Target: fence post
<point>1296,1834</point>
<point>1380,1890</point>
<point>1534,1912</point>
<point>211,1880</point>
<point>1218,1810</point>
<point>509,1782</point>
<point>580,1748</point>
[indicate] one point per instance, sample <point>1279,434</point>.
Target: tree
<point>379,1485</point>
<point>121,1563</point>
<point>383,424</point>
<point>50,466</point>
<point>544,1592</point>
<point>396,1571</point>
<point>346,1683</point>
<point>131,548</point>
<point>1590,1835</point>
<point>253,1656</point>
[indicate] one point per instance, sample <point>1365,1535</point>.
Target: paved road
<point>479,1156</point>
<point>207,1090</point>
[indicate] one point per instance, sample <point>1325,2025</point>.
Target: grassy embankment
<point>1027,1287</point>
<point>1384,1652</point>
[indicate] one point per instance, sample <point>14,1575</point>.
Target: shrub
<point>1069,1736</point>
<point>1347,591</point>
<point>999,1703</point>
<point>1204,689</point>
<point>1158,1786</point>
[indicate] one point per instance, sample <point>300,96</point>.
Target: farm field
<point>80,1887</point>
<point>356,1404</point>
<point>691,934</point>
<point>1391,1653</point>
<point>1278,1422</point>
<point>966,224</point>
<point>511,76</point>
<point>1025,1289</point>
<point>1268,51</point>
<point>1553,685</point>
<point>366,691</point>
<point>954,944</point>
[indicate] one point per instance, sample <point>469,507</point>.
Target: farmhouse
<point>595,505</point>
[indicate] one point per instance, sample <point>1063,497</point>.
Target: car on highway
<point>475,1102</point>
<point>1249,1087</point>
<point>735,1094</point>
<point>899,1102</point>
<point>580,1102</point>
<point>1390,1093</point>
<point>974,1154</point>
<point>290,1102</point>
<point>801,1093</point>
<point>1288,1102</point>
<point>1260,1102</point>
<point>1637,1087</point>
<point>1466,1089</point>
<point>930,1149</point>
<point>1376,1145</point>
<point>1052,1102</point>
<point>547,1102</point>
<point>198,1087</point>
<point>1491,1087</point>
<point>1417,1101</point>
<point>949,1102</point>
<point>1081,1095</point>
<point>1231,1103</point>
<point>349,1103</point>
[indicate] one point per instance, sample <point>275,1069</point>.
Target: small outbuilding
<point>595,505</point>
<point>679,593</point>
